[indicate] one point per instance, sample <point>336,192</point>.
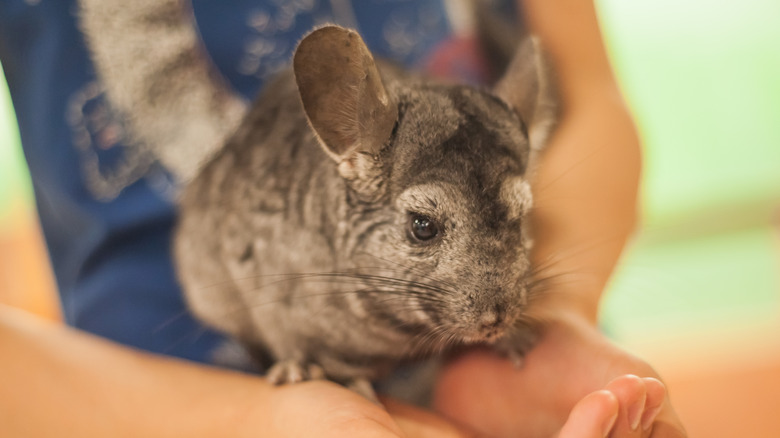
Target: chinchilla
<point>354,216</point>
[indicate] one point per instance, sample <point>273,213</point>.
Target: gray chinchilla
<point>355,216</point>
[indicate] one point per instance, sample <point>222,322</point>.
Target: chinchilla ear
<point>528,86</point>
<point>343,95</point>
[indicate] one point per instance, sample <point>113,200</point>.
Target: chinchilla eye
<point>422,228</point>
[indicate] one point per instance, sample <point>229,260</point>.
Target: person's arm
<point>56,381</point>
<point>586,196</point>
<point>587,182</point>
<point>585,210</point>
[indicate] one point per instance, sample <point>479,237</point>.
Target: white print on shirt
<point>98,132</point>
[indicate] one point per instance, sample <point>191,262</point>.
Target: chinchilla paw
<point>293,371</point>
<point>364,388</point>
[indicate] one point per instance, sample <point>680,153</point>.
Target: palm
<point>488,394</point>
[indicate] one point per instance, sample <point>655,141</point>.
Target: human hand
<point>325,409</point>
<point>573,378</point>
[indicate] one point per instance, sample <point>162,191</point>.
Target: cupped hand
<point>574,379</point>
<point>324,409</point>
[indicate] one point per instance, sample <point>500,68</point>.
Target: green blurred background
<point>703,79</point>
<point>15,189</point>
<point>698,293</point>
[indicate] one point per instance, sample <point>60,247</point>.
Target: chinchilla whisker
<point>403,282</point>
<point>570,169</point>
<point>429,342</point>
<point>450,341</point>
<point>546,279</point>
<point>441,342</point>
<point>399,286</point>
<point>418,340</point>
<point>282,277</point>
<point>415,270</point>
<point>523,322</point>
<point>341,277</point>
<point>424,341</point>
<point>366,291</point>
<point>549,283</point>
<point>422,274</point>
<point>171,320</point>
<point>407,294</point>
<point>188,337</point>
<point>311,276</point>
<point>576,250</point>
<point>234,280</point>
<point>539,279</point>
<point>423,291</point>
<point>544,265</point>
<point>384,280</point>
<point>411,306</point>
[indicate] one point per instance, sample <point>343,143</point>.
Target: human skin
<point>56,381</point>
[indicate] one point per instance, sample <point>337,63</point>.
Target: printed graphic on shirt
<point>259,45</point>
<point>273,36</point>
<point>110,161</point>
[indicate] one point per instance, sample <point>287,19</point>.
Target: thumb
<point>591,417</point>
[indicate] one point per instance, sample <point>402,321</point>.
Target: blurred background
<point>698,293</point>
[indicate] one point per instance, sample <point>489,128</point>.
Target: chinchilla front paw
<point>364,388</point>
<point>293,371</point>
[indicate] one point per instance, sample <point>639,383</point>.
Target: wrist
<point>92,387</point>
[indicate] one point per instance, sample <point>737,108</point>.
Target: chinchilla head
<point>438,197</point>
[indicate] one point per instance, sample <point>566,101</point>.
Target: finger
<point>631,394</point>
<point>654,401</point>
<point>592,417</point>
<point>666,423</point>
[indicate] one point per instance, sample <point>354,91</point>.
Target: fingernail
<point>608,425</point>
<point>635,413</point>
<point>649,417</point>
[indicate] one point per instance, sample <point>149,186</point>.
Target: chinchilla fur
<point>354,216</point>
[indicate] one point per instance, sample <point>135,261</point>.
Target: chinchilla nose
<point>491,318</point>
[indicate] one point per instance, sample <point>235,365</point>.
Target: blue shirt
<point>105,207</point>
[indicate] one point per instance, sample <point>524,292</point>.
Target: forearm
<point>587,181</point>
<point>570,32</point>
<point>56,381</point>
<point>590,173</point>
